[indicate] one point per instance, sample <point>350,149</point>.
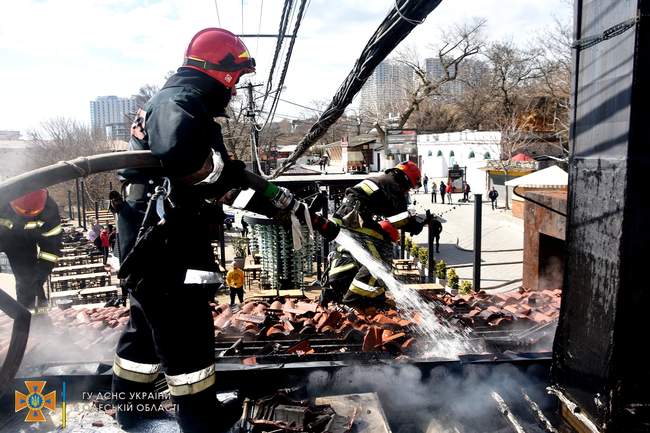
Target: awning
<point>551,177</point>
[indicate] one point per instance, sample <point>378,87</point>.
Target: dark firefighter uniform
<point>170,273</point>
<point>364,207</point>
<point>31,239</point>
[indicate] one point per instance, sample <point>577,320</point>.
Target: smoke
<point>445,400</point>
<point>63,349</point>
<point>551,273</point>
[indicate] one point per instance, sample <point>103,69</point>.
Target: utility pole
<point>478,223</point>
<point>250,113</point>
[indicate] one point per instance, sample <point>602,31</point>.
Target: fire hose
<point>63,171</point>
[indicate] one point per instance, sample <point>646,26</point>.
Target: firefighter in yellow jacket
<point>235,281</point>
<point>372,211</point>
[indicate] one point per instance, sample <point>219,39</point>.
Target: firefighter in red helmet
<point>168,267</point>
<point>373,211</point>
<point>30,236</point>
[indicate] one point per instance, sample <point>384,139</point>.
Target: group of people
<point>445,190</point>
<point>103,238</point>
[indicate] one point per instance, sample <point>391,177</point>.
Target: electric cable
<point>399,22</point>
<point>259,27</point>
<point>285,67</point>
<point>216,6</point>
<point>278,45</point>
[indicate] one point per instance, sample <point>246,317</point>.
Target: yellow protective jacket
<point>235,278</point>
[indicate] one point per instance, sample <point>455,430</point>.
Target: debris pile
<point>105,319</point>
<point>482,309</point>
<point>279,413</point>
<point>306,328</point>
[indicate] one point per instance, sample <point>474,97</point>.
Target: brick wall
<point>544,235</point>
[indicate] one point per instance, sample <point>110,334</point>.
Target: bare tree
<point>555,66</point>
<point>62,139</point>
<point>145,93</point>
<point>236,130</point>
<point>514,139</point>
<point>512,70</point>
<point>458,43</point>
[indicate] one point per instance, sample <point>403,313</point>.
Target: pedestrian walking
<point>235,281</point>
<point>466,190</point>
<point>434,192</point>
<point>104,243</point>
<point>443,189</point>
<point>492,195</point>
<point>425,184</point>
<point>449,191</point>
<point>436,228</point>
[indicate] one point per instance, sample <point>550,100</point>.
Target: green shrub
<point>465,288</point>
<point>407,243</point>
<point>415,250</point>
<point>441,269</point>
<point>452,279</point>
<point>423,256</point>
<point>240,245</point>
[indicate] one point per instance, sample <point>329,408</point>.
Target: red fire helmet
<point>30,204</point>
<point>220,54</point>
<point>412,172</point>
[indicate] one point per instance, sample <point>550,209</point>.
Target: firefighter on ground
<point>373,211</point>
<point>30,236</point>
<point>168,267</point>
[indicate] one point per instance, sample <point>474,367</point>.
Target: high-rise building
<point>111,114</point>
<point>387,88</point>
<point>435,71</point>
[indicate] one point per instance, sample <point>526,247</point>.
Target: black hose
<point>67,170</point>
<point>514,191</point>
<point>396,26</point>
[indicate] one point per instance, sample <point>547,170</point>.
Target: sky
<point>58,55</point>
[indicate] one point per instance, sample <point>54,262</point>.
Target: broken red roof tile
<point>274,331</point>
<point>371,339</point>
<point>408,344</point>
<point>499,320</point>
<point>301,348</point>
<point>307,307</point>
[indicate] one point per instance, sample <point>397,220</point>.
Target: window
<point>451,153</point>
<point>439,153</point>
<point>487,155</point>
<point>430,153</point>
<point>471,154</point>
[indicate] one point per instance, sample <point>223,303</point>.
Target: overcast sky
<point>57,55</point>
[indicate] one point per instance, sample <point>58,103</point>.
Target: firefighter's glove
<point>217,169</point>
<point>283,198</point>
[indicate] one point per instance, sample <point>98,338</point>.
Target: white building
<point>467,149</point>
<point>111,113</point>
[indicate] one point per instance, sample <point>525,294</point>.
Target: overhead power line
<point>399,22</point>
<point>259,27</point>
<point>285,67</point>
<point>216,6</point>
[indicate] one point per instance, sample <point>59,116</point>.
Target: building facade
<point>111,114</point>
<point>387,88</point>
<point>469,150</point>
